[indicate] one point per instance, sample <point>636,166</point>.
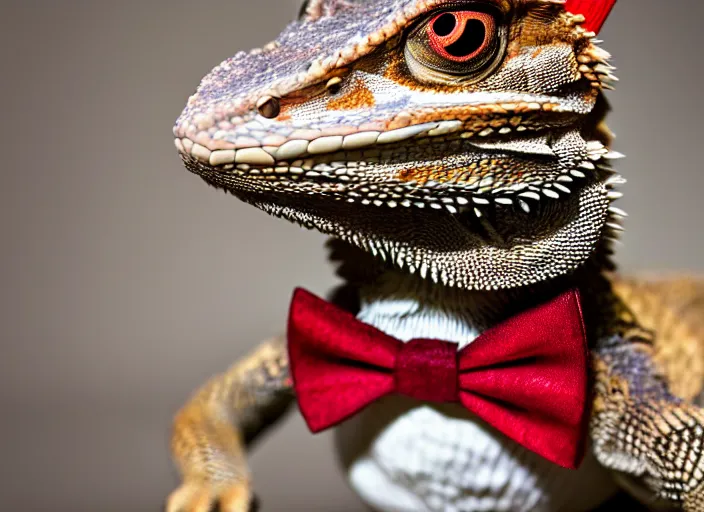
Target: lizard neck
<point>407,307</point>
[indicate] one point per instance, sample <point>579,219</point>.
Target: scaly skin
<point>224,415</point>
<point>487,178</point>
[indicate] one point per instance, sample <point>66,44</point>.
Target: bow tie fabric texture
<point>527,377</point>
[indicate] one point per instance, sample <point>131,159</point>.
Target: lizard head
<point>460,139</point>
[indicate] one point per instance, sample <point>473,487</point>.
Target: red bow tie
<point>527,377</point>
<point>595,11</point>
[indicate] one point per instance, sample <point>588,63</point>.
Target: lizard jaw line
<point>326,144</point>
<point>296,149</point>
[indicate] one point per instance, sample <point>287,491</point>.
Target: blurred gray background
<point>126,281</point>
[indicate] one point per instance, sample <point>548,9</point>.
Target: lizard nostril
<point>268,107</point>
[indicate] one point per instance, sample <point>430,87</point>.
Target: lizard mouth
<point>479,214</point>
<point>443,172</point>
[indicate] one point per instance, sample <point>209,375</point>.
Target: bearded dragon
<point>456,153</point>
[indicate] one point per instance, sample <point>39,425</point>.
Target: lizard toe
<point>236,498</point>
<point>193,497</point>
<point>190,497</point>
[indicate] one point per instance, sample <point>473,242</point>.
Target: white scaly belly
<point>405,456</point>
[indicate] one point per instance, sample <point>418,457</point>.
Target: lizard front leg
<point>212,430</point>
<point>650,437</point>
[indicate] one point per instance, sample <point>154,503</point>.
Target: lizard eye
<point>455,45</point>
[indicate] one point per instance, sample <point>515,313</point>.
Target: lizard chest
<point>404,456</point>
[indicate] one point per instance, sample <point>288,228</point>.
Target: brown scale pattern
<point>654,446</point>
<point>358,96</point>
<point>211,432</point>
<point>646,373</point>
<point>674,308</point>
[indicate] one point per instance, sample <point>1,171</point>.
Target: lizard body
<point>456,153</point>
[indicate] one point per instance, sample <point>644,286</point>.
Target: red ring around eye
<point>460,36</point>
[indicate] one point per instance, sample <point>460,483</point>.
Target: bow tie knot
<point>437,362</point>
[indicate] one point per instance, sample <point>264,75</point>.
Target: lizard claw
<point>204,497</point>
